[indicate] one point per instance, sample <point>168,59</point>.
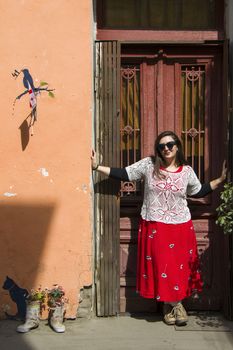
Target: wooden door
<point>106,199</point>
<point>176,88</point>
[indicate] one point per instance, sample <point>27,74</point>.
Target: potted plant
<point>35,303</point>
<point>56,303</point>
<point>37,296</point>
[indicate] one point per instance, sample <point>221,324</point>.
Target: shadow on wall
<point>23,230</point>
<point>24,132</point>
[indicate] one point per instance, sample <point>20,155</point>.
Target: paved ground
<point>125,332</point>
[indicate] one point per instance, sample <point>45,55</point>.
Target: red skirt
<point>168,265</point>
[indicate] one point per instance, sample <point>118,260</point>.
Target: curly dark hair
<point>157,157</point>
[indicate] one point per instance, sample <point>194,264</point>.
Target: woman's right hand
<point>95,166</point>
<point>93,159</point>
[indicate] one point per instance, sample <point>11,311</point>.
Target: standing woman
<point>167,263</point>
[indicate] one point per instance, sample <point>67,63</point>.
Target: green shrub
<point>225,209</point>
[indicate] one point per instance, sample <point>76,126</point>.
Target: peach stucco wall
<point>45,187</point>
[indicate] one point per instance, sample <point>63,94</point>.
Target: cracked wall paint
<point>44,172</point>
<point>84,188</point>
<point>6,308</point>
<point>9,194</point>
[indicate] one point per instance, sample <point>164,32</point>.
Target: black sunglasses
<point>170,145</point>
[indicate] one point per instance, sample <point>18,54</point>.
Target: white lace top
<point>165,199</point>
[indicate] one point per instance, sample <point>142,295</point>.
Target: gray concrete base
<point>125,332</point>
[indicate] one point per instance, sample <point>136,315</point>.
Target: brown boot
<point>180,315</point>
<point>169,314</point>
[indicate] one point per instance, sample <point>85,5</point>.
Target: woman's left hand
<point>224,172</point>
<point>215,183</point>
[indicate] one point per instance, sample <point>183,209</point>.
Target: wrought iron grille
<point>193,116</point>
<point>130,123</point>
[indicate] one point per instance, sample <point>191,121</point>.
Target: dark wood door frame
<point>107,206</point>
